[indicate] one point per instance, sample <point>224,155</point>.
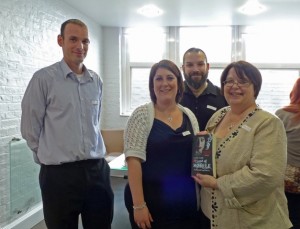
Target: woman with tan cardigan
<point>248,191</point>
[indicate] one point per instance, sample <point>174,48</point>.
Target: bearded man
<point>200,95</point>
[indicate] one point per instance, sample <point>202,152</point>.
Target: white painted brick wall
<point>111,118</point>
<point>29,30</point>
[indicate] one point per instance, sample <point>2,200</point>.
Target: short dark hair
<point>244,69</point>
<point>169,65</point>
<point>71,21</point>
<point>194,50</point>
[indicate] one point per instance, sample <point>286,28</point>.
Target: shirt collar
<point>68,72</point>
<point>210,89</point>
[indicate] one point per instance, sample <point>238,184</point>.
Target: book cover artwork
<point>203,158</point>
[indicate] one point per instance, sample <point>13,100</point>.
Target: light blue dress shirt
<point>61,115</point>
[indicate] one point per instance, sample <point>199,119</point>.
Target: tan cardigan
<point>250,167</point>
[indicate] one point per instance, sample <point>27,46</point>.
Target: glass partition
<point>24,183</point>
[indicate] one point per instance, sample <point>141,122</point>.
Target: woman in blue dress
<point>158,148</point>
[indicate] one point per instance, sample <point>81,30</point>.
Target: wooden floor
<point>120,220</point>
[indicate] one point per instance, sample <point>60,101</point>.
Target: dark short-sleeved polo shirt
<point>205,105</point>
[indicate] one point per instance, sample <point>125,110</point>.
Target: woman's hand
<point>202,132</point>
<point>206,181</point>
<point>143,218</point>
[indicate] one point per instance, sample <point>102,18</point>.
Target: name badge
<point>211,107</point>
<point>185,133</point>
<point>247,128</point>
<point>95,102</point>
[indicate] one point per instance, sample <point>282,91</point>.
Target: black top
<point>205,105</point>
<point>169,189</point>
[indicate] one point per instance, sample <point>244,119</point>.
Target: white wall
<point>28,42</point>
<point>111,118</point>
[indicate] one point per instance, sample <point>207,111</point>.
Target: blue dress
<point>169,189</point>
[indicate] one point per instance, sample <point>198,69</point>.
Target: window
<point>268,45</point>
<point>140,92</point>
<point>276,52</point>
<point>214,41</point>
<point>214,76</point>
<point>142,48</point>
<point>276,88</point>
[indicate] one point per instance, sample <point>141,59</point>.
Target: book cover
<point>203,157</point>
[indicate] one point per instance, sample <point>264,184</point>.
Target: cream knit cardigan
<point>139,126</point>
<point>138,129</point>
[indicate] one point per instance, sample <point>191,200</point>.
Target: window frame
<point>127,66</point>
<point>172,52</point>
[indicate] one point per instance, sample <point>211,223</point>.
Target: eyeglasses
<point>230,83</point>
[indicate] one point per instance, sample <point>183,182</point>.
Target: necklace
<point>236,120</point>
<point>170,118</point>
<point>231,125</point>
<point>167,116</point>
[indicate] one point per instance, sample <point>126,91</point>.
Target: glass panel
<point>215,42</point>
<point>146,45</point>
<point>214,76</point>
<point>272,46</point>
<point>276,88</point>
<point>24,186</point>
<point>139,87</point>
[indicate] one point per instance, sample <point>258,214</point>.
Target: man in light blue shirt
<point>60,122</point>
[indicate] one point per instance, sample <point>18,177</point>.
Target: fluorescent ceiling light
<point>150,11</point>
<point>252,7</point>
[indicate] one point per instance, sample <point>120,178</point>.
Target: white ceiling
<point>122,13</point>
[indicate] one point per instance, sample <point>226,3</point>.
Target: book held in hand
<point>203,158</point>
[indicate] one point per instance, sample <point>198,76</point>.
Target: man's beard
<point>196,84</point>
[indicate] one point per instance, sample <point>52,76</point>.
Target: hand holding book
<point>207,181</point>
<point>203,160</point>
<point>203,157</point>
